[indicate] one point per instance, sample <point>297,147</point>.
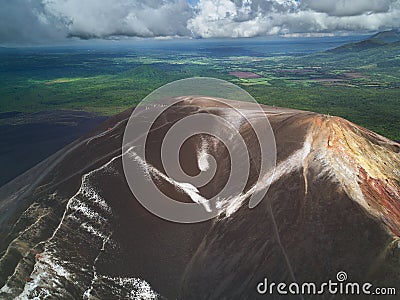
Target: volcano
<point>71,228</point>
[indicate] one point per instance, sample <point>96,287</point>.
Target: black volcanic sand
<point>291,236</point>
<point>28,138</point>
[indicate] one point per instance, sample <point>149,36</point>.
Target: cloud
<point>349,7</point>
<point>25,22</point>
<point>248,18</point>
<point>243,18</point>
<point>94,18</point>
<point>29,21</point>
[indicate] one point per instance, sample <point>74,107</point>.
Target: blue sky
<point>193,2</point>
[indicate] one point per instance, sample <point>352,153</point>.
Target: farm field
<point>360,86</point>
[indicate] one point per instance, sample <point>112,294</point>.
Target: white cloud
<point>247,18</point>
<point>37,20</point>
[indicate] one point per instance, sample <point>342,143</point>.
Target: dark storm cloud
<point>349,7</point>
<point>94,18</point>
<point>24,21</point>
<point>29,21</point>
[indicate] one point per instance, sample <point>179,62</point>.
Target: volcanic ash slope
<point>71,228</point>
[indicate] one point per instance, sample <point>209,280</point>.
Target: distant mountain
<point>381,39</point>
<point>390,36</point>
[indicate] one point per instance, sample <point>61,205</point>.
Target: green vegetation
<point>362,86</point>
